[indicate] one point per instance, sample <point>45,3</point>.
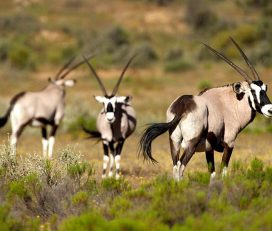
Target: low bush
<point>204,84</point>
<point>72,198</point>
<point>179,65</point>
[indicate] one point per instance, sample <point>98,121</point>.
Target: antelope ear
<point>69,82</point>
<point>237,88</point>
<point>99,99</point>
<point>124,99</point>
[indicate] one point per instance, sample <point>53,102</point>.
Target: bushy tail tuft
<point>4,119</point>
<point>151,133</point>
<point>93,134</point>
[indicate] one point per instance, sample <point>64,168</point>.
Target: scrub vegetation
<point>67,192</point>
<point>63,194</point>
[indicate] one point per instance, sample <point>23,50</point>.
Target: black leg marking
<point>175,150</point>
<point>210,160</point>
<point>226,156</point>
<point>54,130</point>
<point>119,147</point>
<point>106,149</point>
<point>111,146</point>
<point>18,133</point>
<point>44,133</point>
<point>112,150</point>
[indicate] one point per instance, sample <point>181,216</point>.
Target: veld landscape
<point>67,192</point>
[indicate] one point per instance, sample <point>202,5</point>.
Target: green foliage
<point>159,204</point>
<point>146,54</point>
<point>199,15</point>
<point>76,124</point>
<point>117,186</point>
<point>80,198</point>
<point>244,33</point>
<point>204,84</point>
<point>21,56</point>
<point>179,65</point>
<point>17,188</point>
<point>88,221</point>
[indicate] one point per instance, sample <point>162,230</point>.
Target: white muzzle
<point>267,110</point>
<point>110,117</point>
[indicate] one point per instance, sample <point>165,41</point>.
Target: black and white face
<point>259,99</point>
<point>109,103</point>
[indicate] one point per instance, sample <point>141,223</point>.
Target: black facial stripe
<point>264,98</point>
<point>250,103</point>
<point>109,108</point>
<point>257,105</point>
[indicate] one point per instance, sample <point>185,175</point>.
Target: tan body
<point>221,124</point>
<point>39,109</point>
<point>211,120</point>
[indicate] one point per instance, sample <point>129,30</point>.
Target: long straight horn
<point>75,66</point>
<point>96,76</point>
<point>234,66</point>
<point>253,70</point>
<point>122,75</point>
<point>64,67</point>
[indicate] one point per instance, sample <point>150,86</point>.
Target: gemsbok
<point>40,109</point>
<point>115,123</point>
<point>210,120</point>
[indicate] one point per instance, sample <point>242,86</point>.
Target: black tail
<point>4,119</point>
<point>93,134</point>
<point>151,133</point>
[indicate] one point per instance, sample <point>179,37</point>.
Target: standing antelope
<point>39,109</point>
<point>115,123</point>
<point>211,120</point>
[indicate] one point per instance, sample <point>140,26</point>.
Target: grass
<point>40,194</point>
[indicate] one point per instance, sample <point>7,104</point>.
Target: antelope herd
<point>207,122</point>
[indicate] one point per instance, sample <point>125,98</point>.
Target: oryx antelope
<point>210,120</point>
<point>115,123</point>
<point>40,109</point>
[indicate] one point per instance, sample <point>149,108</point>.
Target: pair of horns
<point>99,80</point>
<point>61,75</point>
<point>234,66</point>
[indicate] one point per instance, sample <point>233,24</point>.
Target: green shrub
<point>179,65</point>
<point>118,186</point>
<point>89,221</point>
<point>256,170</point>
<point>18,189</point>
<point>80,198</point>
<point>21,56</point>
<point>120,206</point>
<point>204,84</point>
<point>200,178</point>
<point>20,22</point>
<point>244,33</point>
<point>174,54</point>
<point>146,54</point>
<point>76,124</point>
<point>199,16</point>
